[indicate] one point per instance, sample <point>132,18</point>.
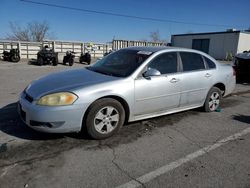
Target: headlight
<point>57,99</point>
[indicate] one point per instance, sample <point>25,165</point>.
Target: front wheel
<point>213,99</point>
<point>15,58</point>
<point>105,117</point>
<point>40,61</point>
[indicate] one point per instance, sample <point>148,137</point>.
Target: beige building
<point>216,44</point>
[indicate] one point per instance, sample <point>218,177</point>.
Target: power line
<point>126,15</point>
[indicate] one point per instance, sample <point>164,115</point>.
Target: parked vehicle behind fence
<point>12,55</point>
<point>127,85</point>
<point>69,58</point>
<point>85,57</point>
<point>47,56</point>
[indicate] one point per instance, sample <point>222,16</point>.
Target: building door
<point>201,44</point>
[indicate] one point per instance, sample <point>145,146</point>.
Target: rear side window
<point>192,61</point>
<point>165,63</point>
<point>210,64</point>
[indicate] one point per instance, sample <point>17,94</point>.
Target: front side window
<point>165,63</point>
<point>192,61</point>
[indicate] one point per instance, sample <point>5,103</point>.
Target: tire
<point>40,61</point>
<point>88,58</point>
<point>55,62</point>
<point>71,62</point>
<point>80,59</point>
<point>213,99</point>
<point>104,118</point>
<point>15,58</point>
<point>64,60</point>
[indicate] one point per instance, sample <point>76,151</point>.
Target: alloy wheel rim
<point>214,101</point>
<point>106,120</point>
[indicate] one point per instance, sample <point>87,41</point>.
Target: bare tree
<point>33,31</point>
<point>155,36</point>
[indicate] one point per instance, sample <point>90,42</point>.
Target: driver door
<point>157,94</point>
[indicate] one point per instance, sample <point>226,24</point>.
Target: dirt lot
<point>187,149</point>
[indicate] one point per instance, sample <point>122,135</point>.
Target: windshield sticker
<point>144,53</point>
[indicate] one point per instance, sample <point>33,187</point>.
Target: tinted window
<point>210,63</point>
<point>165,63</point>
<point>191,61</point>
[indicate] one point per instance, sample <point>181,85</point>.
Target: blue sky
<point>86,27</point>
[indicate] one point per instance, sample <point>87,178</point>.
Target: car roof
<point>152,48</point>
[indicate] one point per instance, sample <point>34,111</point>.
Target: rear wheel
<point>64,60</point>
<point>5,58</point>
<point>71,62</point>
<point>40,61</point>
<point>213,99</point>
<point>104,118</point>
<point>55,61</point>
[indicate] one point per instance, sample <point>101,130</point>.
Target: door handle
<point>208,75</point>
<point>174,80</point>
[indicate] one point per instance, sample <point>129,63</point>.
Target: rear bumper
<point>231,83</point>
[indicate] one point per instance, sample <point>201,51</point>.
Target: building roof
<point>211,33</point>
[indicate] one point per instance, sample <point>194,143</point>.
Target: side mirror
<point>151,72</point>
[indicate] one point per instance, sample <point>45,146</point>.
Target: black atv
<point>12,55</point>
<point>69,58</point>
<point>47,56</point>
<point>85,58</point>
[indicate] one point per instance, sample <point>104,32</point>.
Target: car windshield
<point>121,63</point>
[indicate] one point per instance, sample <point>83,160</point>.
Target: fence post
<point>53,46</point>
<point>82,48</point>
<point>19,48</point>
<point>61,47</point>
<point>27,50</point>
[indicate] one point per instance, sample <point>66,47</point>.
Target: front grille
<point>28,97</point>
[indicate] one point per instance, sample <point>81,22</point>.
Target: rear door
<point>195,79</point>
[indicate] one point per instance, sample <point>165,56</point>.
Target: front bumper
<point>58,119</point>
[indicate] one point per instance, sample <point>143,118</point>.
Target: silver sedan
<point>127,85</point>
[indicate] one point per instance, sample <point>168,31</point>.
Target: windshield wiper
<point>99,71</point>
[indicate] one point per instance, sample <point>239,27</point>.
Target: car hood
<point>65,81</point>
